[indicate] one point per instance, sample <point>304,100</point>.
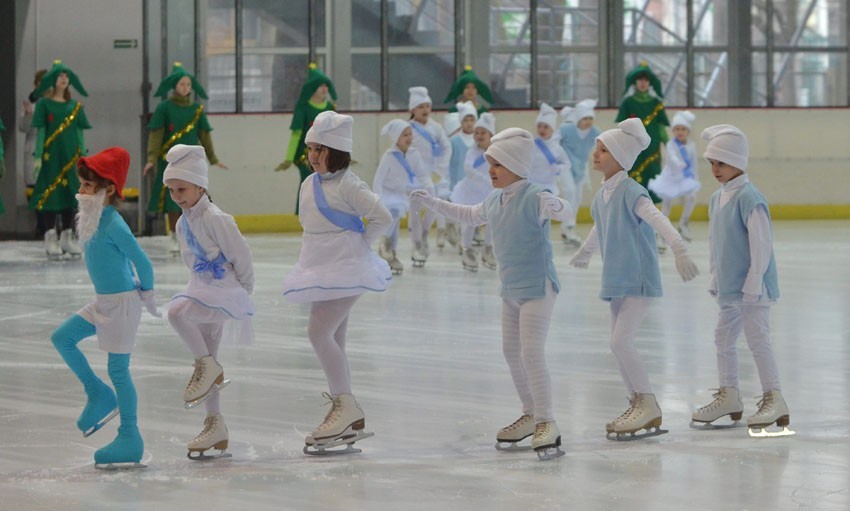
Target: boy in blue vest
<point>743,279</point>
<point>625,222</point>
<point>519,213</point>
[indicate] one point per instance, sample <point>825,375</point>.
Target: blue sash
<point>435,147</point>
<point>546,152</point>
<point>411,177</point>
<point>688,171</point>
<point>202,264</point>
<point>338,218</point>
<point>479,161</point>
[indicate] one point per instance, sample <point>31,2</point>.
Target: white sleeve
<point>232,244</point>
<point>591,243</point>
<point>761,246</point>
<point>442,163</point>
<point>470,215</point>
<point>646,210</point>
<point>368,204</point>
<point>563,214</point>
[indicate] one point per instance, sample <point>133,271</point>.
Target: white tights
<point>754,320</point>
<point>200,328</point>
<point>467,234</point>
<point>689,202</point>
<point>326,330</point>
<point>627,314</point>
<point>525,324</point>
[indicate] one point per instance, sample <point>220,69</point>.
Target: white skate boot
<point>51,245</point>
<point>684,231</point>
<point>511,435</point>
<point>727,401</point>
<point>68,243</point>
<point>478,237</point>
<point>441,238</point>
<point>213,436</point>
<point>418,256</point>
<point>206,381</point>
<point>388,254</point>
<point>452,235</point>
<point>643,414</point>
<point>426,248</point>
<point>173,244</point>
<point>488,257</point>
<point>772,408</point>
<point>344,424</point>
<point>469,260</point>
<point>569,236</point>
<point>546,441</point>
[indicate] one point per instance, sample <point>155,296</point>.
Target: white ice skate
<point>727,401</point>
<point>418,256</point>
<point>684,231</point>
<point>343,425</point>
<point>213,436</point>
<point>441,238</point>
<point>69,244</point>
<point>173,244</point>
<point>469,259</point>
<point>772,409</point>
<point>478,237</point>
<point>51,245</point>
<point>546,441</point>
<point>206,381</point>
<point>508,437</point>
<point>569,236</point>
<point>488,258</point>
<point>643,414</point>
<point>452,235</point>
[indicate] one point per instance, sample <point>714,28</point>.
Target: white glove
<point>150,302</point>
<point>581,259</point>
<point>420,196</point>
<point>686,267</point>
<point>750,298</point>
<point>550,202</point>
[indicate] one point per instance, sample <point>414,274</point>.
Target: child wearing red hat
<point>114,315</point>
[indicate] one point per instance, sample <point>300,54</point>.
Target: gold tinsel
<point>60,180</point>
<point>62,127</point>
<point>179,134</point>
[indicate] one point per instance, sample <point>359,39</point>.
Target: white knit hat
<point>187,163</point>
<point>512,148</point>
<point>394,129</point>
<point>333,130</point>
<point>418,96</point>
<point>465,108</point>
<point>487,121</point>
<point>451,123</point>
<point>727,144</point>
<point>583,108</point>
<point>683,118</point>
<point>626,141</point>
<point>548,115</point>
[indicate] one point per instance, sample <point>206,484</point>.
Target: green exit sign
<point>125,43</point>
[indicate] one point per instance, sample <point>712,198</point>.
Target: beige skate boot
<point>514,433</point>
<point>206,380</point>
<point>488,258</point>
<point>546,441</point>
<point>213,436</point>
<point>344,424</point>
<point>772,409</point>
<point>727,401</point>
<point>469,260</point>
<point>645,415</point>
<point>51,245</point>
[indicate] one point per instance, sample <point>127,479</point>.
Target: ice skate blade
<point>473,269</point>
<point>710,426</point>
<point>325,449</point>
<point>634,435</point>
<point>418,263</point>
<point>549,453</point>
<point>508,446</point>
<point>102,422</point>
<point>215,389</point>
<point>202,456</point>
<point>490,266</point>
<point>762,432</point>
<point>396,272</point>
<point>119,466</point>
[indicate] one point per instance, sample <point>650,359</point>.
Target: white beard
<point>88,216</point>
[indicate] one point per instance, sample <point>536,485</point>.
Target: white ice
<point>428,371</point>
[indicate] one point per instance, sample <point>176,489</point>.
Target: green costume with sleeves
<point>650,110</point>
<point>456,93</point>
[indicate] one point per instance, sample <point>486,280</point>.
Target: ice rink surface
<point>428,371</point>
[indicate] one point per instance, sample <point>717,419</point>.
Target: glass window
<point>510,57</point>
<point>366,82</point>
<point>759,79</point>
<point>809,23</point>
<point>711,79</point>
<point>711,27</point>
<point>809,79</point>
<point>218,64</point>
<point>655,22</point>
<point>567,77</point>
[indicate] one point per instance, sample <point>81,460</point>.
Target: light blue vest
<point>627,244</point>
<point>577,148</point>
<point>731,244</point>
<point>521,244</point>
<point>456,162</point>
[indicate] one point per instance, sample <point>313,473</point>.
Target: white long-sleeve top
<point>391,182</point>
<point>439,165</point>
<point>760,238</point>
<point>547,174</point>
<point>645,210</point>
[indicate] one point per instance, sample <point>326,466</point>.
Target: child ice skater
<point>578,139</point>
<point>111,253</point>
<point>221,280</point>
<point>549,162</point>
<point>461,139</point>
<point>399,172</point>
<point>624,218</point>
<point>678,177</point>
<point>743,279</point>
<point>518,212</point>
<point>473,189</point>
<point>335,267</point>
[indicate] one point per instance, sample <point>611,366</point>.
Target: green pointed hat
<point>469,76</point>
<point>169,82</point>
<point>642,70</point>
<point>315,78</point>
<point>49,79</point>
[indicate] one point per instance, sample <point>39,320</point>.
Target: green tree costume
<point>177,120</point>
<point>302,119</point>
<point>2,164</point>
<point>59,143</point>
<point>456,93</point>
<point>650,110</point>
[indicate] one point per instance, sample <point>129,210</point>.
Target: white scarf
<point>88,215</point>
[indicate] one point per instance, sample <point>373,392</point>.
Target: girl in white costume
<point>578,138</point>
<point>459,127</point>
<point>519,212</point>
<point>400,171</point>
<point>436,152</point>
<point>678,177</point>
<point>474,188</point>
<point>550,162</point>
<point>216,305</point>
<point>336,264</point>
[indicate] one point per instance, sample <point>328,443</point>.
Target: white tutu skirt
<point>672,185</point>
<point>116,320</point>
<point>335,265</point>
<point>470,192</point>
<point>224,301</point>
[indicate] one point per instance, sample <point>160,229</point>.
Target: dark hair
<point>337,160</point>
<point>89,175</point>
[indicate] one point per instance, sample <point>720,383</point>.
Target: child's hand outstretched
<point>581,259</point>
<point>420,196</point>
<point>149,300</point>
<point>686,267</point>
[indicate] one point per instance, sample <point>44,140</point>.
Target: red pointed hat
<point>112,164</point>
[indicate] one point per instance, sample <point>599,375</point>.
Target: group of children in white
<point>510,181</point>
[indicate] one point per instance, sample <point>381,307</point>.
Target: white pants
<point>571,192</point>
<point>525,324</point>
<point>627,314</point>
<point>327,332</point>
<point>754,320</point>
<point>392,230</point>
<point>419,225</point>
<point>200,328</point>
